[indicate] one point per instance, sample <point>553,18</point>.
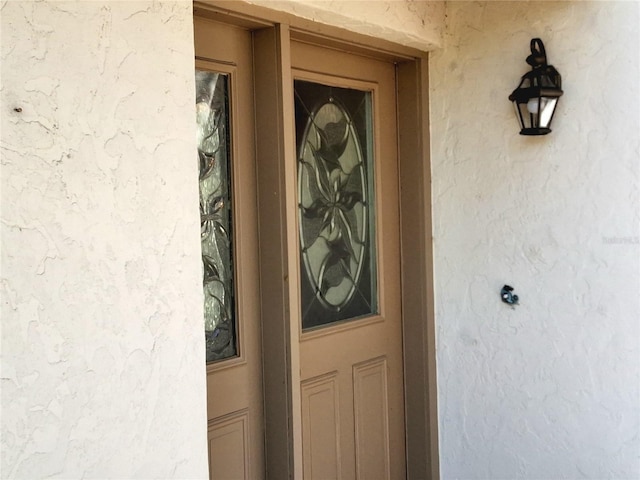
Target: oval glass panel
<point>334,190</point>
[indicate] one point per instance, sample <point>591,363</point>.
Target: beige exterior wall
<point>102,344</point>
<point>550,389</point>
<point>417,24</point>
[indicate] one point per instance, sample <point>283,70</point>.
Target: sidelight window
<point>212,107</point>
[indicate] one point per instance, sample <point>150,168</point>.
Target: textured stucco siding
<point>549,389</point>
<point>102,346</point>
<point>417,24</point>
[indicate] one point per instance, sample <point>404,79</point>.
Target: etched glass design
<point>335,195</point>
<point>212,117</point>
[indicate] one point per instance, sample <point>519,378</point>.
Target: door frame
<point>277,186</point>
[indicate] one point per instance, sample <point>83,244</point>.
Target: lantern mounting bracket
<point>538,55</point>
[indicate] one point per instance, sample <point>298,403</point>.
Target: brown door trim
<point>276,168</point>
<point>417,271</point>
<point>250,15</point>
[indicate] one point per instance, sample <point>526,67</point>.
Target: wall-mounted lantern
<point>537,96</point>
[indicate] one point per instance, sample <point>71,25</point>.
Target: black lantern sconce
<point>536,98</point>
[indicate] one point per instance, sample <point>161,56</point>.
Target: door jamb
<point>276,172</point>
<point>272,33</point>
<point>416,245</point>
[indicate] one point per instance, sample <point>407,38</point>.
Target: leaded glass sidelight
<point>335,210</point>
<point>212,107</point>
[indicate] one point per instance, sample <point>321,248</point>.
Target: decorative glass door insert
<point>336,200</point>
<point>212,107</point>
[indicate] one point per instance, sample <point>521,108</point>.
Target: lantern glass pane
<point>526,118</point>
<point>518,117</point>
<point>515,106</point>
<point>547,106</point>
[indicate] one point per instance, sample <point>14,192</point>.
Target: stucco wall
<point>102,345</point>
<point>549,389</point>
<point>417,24</point>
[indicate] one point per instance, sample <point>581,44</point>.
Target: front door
<point>350,341</point>
<point>324,292</point>
<point>226,157</point>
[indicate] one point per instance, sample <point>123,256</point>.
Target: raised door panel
<point>371,407</point>
<point>321,427</point>
<point>229,454</point>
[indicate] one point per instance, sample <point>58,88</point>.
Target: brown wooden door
<point>350,341</point>
<point>224,104</point>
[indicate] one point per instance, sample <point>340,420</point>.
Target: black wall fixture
<point>536,98</point>
<point>507,296</point>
